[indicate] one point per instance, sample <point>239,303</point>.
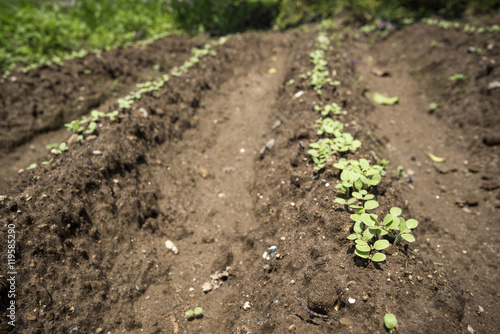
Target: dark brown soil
<point>91,229</point>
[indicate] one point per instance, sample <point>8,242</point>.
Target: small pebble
<point>292,328</point>
<point>352,300</point>
<point>207,287</point>
<point>470,329</point>
<point>170,245</point>
<point>246,306</point>
<point>97,152</point>
<point>480,310</point>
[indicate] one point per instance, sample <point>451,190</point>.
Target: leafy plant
<point>358,174</point>
<point>345,142</point>
<point>112,115</point>
<point>74,126</point>
<point>390,322</point>
<point>329,126</point>
<point>368,233</point>
<point>48,162</point>
<point>320,152</point>
<point>91,128</point>
<point>333,108</point>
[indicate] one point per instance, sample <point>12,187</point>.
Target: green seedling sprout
<point>290,82</point>
<point>91,128</point>
<point>74,126</point>
<point>47,162</point>
<point>458,77</point>
<point>358,174</point>
<point>32,166</point>
<point>390,322</point>
<point>112,115</point>
<point>196,313</point>
<point>368,233</point>
<point>433,106</point>
<point>333,108</point>
<point>329,126</point>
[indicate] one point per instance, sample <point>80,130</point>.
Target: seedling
<point>124,103</point>
<point>196,313</point>
<point>345,143</point>
<point>91,128</point>
<point>458,77</point>
<point>333,108</point>
<point>433,106</point>
<point>47,162</point>
<point>329,126</point>
<point>290,82</point>
<point>434,44</point>
<point>320,152</point>
<point>74,126</point>
<point>368,233</point>
<point>361,195</point>
<point>32,166</point>
<point>358,174</point>
<point>112,115</point>
<point>390,322</point>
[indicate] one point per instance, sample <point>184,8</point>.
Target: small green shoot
<point>196,313</point>
<point>381,99</point>
<point>390,322</point>
<point>433,106</point>
<point>290,82</point>
<point>91,128</point>
<point>458,77</point>
<point>434,44</point>
<point>47,162</point>
<point>74,126</point>
<point>32,166</point>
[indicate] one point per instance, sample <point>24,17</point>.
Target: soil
<point>91,229</point>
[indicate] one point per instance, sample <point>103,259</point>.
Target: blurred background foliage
<point>37,31</point>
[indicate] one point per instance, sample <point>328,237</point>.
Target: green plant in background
<point>390,322</point>
<point>433,106</point>
<point>44,32</point>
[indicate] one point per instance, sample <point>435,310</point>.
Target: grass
<point>34,32</point>
<point>37,32</point>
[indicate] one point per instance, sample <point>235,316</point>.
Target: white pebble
<point>246,306</point>
<point>170,245</point>
<point>352,300</point>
